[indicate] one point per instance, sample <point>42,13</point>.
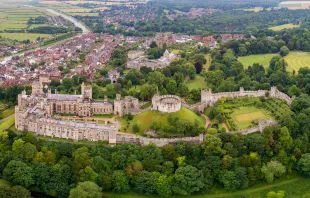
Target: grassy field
<point>297,60</point>
<point>15,17</point>
<point>198,83</point>
<point>24,36</point>
<point>262,59</point>
<point>208,64</point>
<point>244,116</point>
<point>7,123</point>
<point>294,187</point>
<point>6,113</point>
<point>285,26</point>
<point>256,9</point>
<point>145,119</point>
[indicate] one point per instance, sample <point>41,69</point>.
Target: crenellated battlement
<point>166,103</point>
<point>209,99</point>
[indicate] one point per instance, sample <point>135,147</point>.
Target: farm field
<point>16,17</point>
<point>294,187</point>
<point>256,9</point>
<point>145,119</point>
<point>244,116</point>
<point>297,60</point>
<point>262,59</point>
<point>285,26</point>
<point>294,5</point>
<point>24,36</point>
<point>198,83</point>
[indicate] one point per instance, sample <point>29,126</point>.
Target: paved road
<point>69,18</point>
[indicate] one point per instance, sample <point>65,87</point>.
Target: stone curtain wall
<point>136,139</point>
<point>166,103</point>
<point>209,99</point>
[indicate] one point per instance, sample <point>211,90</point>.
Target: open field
<point>7,123</point>
<point>297,60</point>
<point>295,5</point>
<point>198,83</point>
<point>285,26</point>
<point>145,119</point>
<point>83,14</point>
<point>15,17</point>
<point>6,113</point>
<point>24,36</point>
<point>294,187</point>
<point>262,59</point>
<point>256,9</point>
<point>244,116</point>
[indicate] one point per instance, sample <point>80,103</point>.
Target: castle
<point>166,103</point>
<point>137,60</point>
<point>36,112</point>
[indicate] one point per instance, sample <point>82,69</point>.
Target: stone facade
<point>166,103</point>
<point>35,113</point>
<point>165,38</point>
<point>143,61</point>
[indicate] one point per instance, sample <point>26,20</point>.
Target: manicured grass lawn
<point>285,26</point>
<point>145,119</point>
<point>7,123</point>
<point>208,64</point>
<point>294,187</point>
<point>4,183</point>
<point>24,36</point>
<point>243,116</point>
<point>198,83</point>
<point>297,60</point>
<point>7,113</point>
<point>262,59</point>
<point>103,115</point>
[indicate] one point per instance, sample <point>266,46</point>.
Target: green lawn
<point>24,36</point>
<point>296,60</point>
<point>294,187</point>
<point>198,83</point>
<point>7,123</point>
<point>285,26</point>
<point>208,64</point>
<point>7,113</point>
<point>145,119</point>
<point>244,116</point>
<point>262,59</point>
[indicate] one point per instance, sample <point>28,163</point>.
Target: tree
<point>87,174</point>
<point>145,182</point>
<point>229,181</point>
<point>273,169</point>
<point>120,182</point>
<point>198,67</point>
<point>284,51</point>
<point>187,180</point>
<point>86,190</point>
<point>16,191</point>
<point>212,145</point>
<point>81,159</point>
<point>279,194</point>
<point>18,173</point>
<point>303,165</point>
<point>135,128</point>
<point>163,186</point>
<point>171,86</point>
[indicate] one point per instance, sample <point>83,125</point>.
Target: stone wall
<point>209,99</point>
<point>166,103</point>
